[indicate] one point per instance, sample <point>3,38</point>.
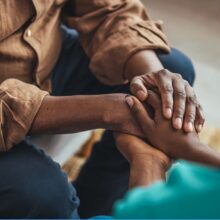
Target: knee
<point>49,192</point>
<point>178,62</point>
<point>39,189</point>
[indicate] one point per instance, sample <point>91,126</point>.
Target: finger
<point>200,118</point>
<point>164,84</point>
<point>140,113</point>
<point>190,113</point>
<point>154,101</point>
<point>179,94</point>
<point>138,88</point>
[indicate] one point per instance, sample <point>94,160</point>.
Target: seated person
<point>57,78</point>
<point>190,191</point>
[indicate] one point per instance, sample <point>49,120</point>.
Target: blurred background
<point>193,26</point>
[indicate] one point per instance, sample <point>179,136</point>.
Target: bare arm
<point>70,114</point>
<point>147,164</point>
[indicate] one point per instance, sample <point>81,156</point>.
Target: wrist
<point>145,160</point>
<point>205,155</point>
<point>110,117</point>
<point>146,172</point>
<point>142,62</point>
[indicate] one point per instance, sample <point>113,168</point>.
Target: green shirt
<point>191,191</point>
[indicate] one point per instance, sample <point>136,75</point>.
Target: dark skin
<point>69,114</point>
<point>73,114</point>
<point>176,144</point>
<point>147,164</point>
<point>179,101</point>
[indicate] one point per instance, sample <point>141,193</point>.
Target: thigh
<point>33,186</point>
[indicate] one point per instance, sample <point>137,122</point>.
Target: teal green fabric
<point>191,191</point>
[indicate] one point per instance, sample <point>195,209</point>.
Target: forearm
<point>69,114</point>
<point>147,164</point>
<point>141,63</point>
<point>202,153</point>
<point>145,172</point>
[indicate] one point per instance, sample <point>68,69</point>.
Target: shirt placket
<point>29,37</point>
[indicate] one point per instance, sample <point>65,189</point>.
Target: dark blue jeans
<point>33,186</point>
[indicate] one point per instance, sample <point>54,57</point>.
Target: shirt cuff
<point>19,104</point>
<point>109,61</point>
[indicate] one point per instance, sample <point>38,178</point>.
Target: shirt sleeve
<point>191,191</point>
<point>111,31</point>
<point>19,104</point>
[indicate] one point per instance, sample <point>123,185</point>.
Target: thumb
<point>139,112</point>
<point>138,88</point>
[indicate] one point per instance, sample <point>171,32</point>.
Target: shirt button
<point>28,33</point>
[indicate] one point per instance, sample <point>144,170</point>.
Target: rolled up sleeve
<point>111,31</point>
<point>19,103</point>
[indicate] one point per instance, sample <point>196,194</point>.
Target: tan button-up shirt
<point>111,31</point>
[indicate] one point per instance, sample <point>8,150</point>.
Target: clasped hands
<point>169,115</point>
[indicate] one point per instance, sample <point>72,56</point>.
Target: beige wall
<point>194,27</point>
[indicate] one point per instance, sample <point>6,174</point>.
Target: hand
<point>159,131</point>
<point>179,101</point>
<point>134,148</point>
<point>117,115</point>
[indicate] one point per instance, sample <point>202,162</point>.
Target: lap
<point>33,186</point>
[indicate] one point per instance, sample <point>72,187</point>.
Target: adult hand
<point>159,131</point>
<point>134,148</point>
<point>179,101</point>
<point>117,115</point>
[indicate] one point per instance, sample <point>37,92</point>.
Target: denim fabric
<point>33,186</point>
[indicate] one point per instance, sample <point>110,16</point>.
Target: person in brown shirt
<point>66,66</point>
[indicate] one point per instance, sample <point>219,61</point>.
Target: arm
<point>79,113</point>
<point>120,39</point>
<point>147,164</point>
<point>24,109</point>
<point>190,192</point>
<point>113,31</point>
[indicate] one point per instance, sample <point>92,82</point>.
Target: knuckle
<point>163,72</point>
<point>178,76</point>
<point>179,112</point>
<point>167,89</point>
<point>168,104</point>
<point>190,117</point>
<point>180,94</point>
<point>187,84</point>
<point>192,100</point>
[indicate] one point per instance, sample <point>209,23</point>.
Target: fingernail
<point>199,127</point>
<point>190,126</point>
<point>141,95</point>
<point>178,123</point>
<point>168,113</point>
<point>129,101</point>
